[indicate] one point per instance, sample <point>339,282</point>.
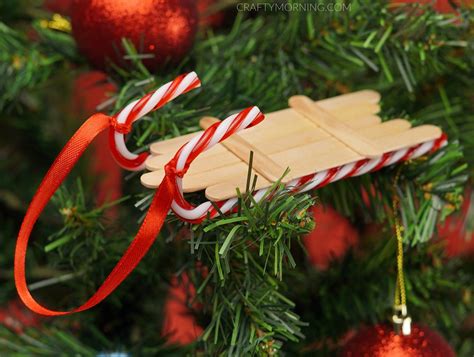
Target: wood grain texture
<point>242,148</point>
<point>336,128</point>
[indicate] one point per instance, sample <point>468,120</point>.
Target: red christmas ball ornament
<point>331,238</point>
<point>382,341</point>
<point>162,31</point>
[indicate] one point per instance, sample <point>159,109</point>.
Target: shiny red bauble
<point>162,31</point>
<point>382,341</point>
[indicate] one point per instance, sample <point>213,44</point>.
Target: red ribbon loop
<point>58,171</point>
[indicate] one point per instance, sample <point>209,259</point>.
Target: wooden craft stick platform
<point>307,137</point>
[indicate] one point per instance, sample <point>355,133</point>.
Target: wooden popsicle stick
<point>320,147</point>
<point>316,157</point>
<point>203,180</point>
<point>262,164</point>
<point>275,127</point>
<point>339,130</point>
<point>362,96</point>
<point>201,163</point>
<point>348,114</point>
<point>414,136</point>
<point>385,129</point>
<point>173,144</point>
<point>224,190</point>
<point>152,179</point>
<point>200,181</point>
<point>274,134</point>
<point>364,122</point>
<point>156,162</point>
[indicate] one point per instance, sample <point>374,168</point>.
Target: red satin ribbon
<point>58,171</point>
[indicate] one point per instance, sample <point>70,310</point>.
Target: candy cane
<point>139,108</point>
<point>204,141</point>
<point>235,123</point>
<point>364,166</point>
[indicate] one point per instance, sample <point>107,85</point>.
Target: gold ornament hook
<point>401,320</point>
<point>400,317</point>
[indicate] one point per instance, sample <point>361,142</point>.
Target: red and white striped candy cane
<point>200,143</point>
<point>189,151</point>
<point>364,166</point>
<point>139,108</point>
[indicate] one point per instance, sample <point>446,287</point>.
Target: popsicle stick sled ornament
<point>320,142</point>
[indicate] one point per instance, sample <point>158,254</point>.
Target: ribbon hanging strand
<point>59,170</point>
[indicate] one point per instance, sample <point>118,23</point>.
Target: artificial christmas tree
<point>242,279</point>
